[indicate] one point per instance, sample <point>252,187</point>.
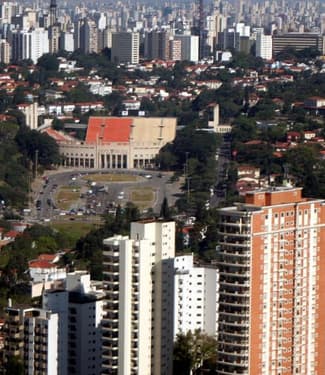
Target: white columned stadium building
<point>117,142</point>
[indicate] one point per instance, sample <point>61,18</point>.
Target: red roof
<point>12,234</point>
<point>41,264</point>
<point>58,137</point>
<point>47,257</point>
<point>108,129</point>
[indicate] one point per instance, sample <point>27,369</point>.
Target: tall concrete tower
<point>53,13</point>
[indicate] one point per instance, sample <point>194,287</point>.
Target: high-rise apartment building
<point>4,51</point>
<point>190,47</point>
<point>125,47</point>
<point>32,335</point>
<point>54,38</point>
<point>88,36</point>
<point>175,50</point>
<point>138,279</point>
<point>272,280</point>
<point>31,114</point>
<point>53,13</point>
<point>80,311</point>
<point>195,296</point>
<point>30,44</point>
<point>264,46</point>
<point>156,45</point>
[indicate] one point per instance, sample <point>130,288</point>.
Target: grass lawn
<point>112,177</point>
<point>75,229</point>
<point>66,197</point>
<point>143,198</point>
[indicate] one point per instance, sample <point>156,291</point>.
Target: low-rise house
<point>44,269</point>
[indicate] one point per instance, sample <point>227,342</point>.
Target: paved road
<point>46,202</point>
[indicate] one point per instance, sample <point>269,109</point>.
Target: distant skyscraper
<point>54,38</point>
<point>272,283</point>
<point>125,47</point>
<point>322,24</point>
<point>264,46</point>
<point>30,44</point>
<point>138,279</point>
<point>66,42</point>
<point>53,13</point>
<point>5,50</point>
<point>175,50</point>
<point>156,45</point>
<point>89,36</point>
<point>190,47</point>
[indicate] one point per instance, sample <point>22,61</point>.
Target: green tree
<point>31,142</point>
<point>193,351</point>
<point>48,62</point>
<point>14,366</point>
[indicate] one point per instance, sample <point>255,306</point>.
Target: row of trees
<point>18,147</point>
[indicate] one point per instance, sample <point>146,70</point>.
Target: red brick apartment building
<point>272,285</point>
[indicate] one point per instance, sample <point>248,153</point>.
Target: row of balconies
<point>231,352</point>
<point>230,333</point>
<point>233,291</point>
<point>243,313</point>
<point>234,301</point>
<point>235,254</point>
<point>238,323</point>
<point>228,241</point>
<point>232,372</point>
<point>233,233</point>
<point>235,223</point>
<point>231,362</point>
<point>239,284</point>
<point>230,262</point>
<point>233,343</point>
<point>224,271</point>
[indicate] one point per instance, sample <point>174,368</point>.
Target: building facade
<point>31,114</point>
<point>272,267</point>
<point>298,41</point>
<point>80,311</point>
<point>189,47</point>
<point>195,297</point>
<point>32,335</point>
<point>138,279</point>
<point>125,47</point>
<point>118,142</point>
<point>29,44</point>
<point>264,46</point>
<point>156,45</point>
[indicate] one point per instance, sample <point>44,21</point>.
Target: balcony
<point>227,273</point>
<point>232,363</point>
<point>243,267</point>
<point>235,284</point>
<point>239,323</point>
<point>237,334</point>
<point>234,254</point>
<point>223,243</point>
<point>233,353</point>
<point>234,233</point>
<point>234,302</point>
<point>242,343</point>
